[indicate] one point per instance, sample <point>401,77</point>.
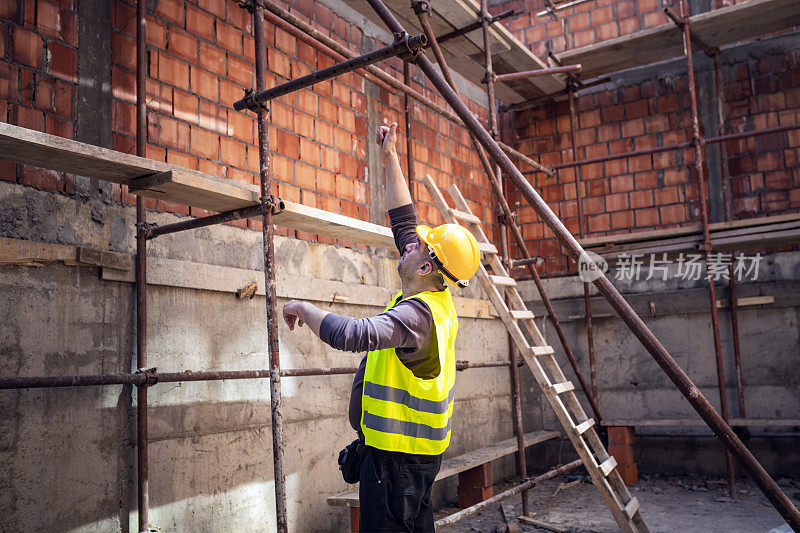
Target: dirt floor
<point>668,504</point>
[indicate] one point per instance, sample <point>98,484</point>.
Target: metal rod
<point>534,73</point>
<point>701,178</point>
<point>473,26</point>
<point>722,118</point>
<point>142,489</point>
<point>677,146</point>
<point>485,504</point>
<point>679,22</point>
<point>267,233</point>
<point>587,302</point>
<point>220,218</point>
<point>151,376</point>
<point>403,45</point>
<point>548,97</point>
<point>685,385</point>
<point>516,399</point>
<point>409,142</point>
<point>559,7</point>
<point>519,263</point>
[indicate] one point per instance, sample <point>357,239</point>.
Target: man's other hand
<point>387,137</point>
<point>293,313</point>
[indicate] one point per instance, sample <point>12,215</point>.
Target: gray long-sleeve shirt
<point>405,327</point>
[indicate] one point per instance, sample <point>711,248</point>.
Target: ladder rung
<point>631,507</point>
<point>466,217</point>
<point>521,315</point>
<point>503,280</point>
<point>584,426</point>
<point>540,351</point>
<point>558,388</point>
<point>608,465</point>
<point>487,248</point>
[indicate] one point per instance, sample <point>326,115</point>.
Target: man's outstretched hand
<point>387,137</point>
<point>293,313</point>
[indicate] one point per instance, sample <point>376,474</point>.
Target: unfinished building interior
<point>173,171</point>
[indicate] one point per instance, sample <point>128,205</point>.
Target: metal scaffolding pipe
<point>587,302</point>
<point>534,73</point>
<point>142,489</point>
<point>409,142</point>
<point>404,45</point>
<point>267,233</point>
<point>151,376</point>
<point>485,504</point>
<point>154,231</point>
<point>701,179</point>
<point>676,146</point>
<point>689,390</point>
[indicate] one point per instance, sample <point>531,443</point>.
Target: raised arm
<point>397,193</point>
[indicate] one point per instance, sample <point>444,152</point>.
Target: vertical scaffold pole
<point>516,398</point>
<point>141,273</point>
<point>699,149</point>
<point>267,231</point>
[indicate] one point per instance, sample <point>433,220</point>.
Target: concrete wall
<point>631,386</point>
<point>70,453</point>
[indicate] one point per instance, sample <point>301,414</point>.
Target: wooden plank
<point>487,248</point>
<point>543,525</point>
<point>540,351</point>
<point>454,465</point>
<point>466,217</point>
<point>489,453</point>
<point>608,465</point>
<point>581,428</point>
<point>716,28</point>
<point>504,281</point>
<point>746,302</point>
<point>631,507</point>
<point>522,315</point>
<point>559,388</point>
<point>176,184</point>
<point>28,253</point>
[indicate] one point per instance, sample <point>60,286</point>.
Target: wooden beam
<point>175,184</point>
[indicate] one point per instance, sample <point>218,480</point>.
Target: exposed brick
<point>232,152</point>
<point>212,117</point>
<point>205,143</point>
<point>49,19</point>
<point>182,44</point>
<point>27,47</point>
<point>240,71</point>
<point>213,58</point>
<point>172,10</point>
<point>173,71</point>
<point>204,83</point>
<point>288,144</point>
<point>229,37</point>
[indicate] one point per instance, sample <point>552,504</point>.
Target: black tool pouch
<point>350,459</point>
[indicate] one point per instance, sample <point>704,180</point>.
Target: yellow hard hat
<point>454,250</point>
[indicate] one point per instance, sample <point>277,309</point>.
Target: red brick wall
<point>200,58</point>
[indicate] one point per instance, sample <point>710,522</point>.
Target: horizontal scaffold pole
<point>403,46</point>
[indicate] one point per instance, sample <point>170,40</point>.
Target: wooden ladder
<point>556,388</point>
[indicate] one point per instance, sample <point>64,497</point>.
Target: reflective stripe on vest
<point>404,413</point>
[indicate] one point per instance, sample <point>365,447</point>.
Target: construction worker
<point>402,398</point>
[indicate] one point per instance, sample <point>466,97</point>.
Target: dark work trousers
<point>395,491</point>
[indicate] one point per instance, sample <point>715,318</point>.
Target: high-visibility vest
<point>401,412</point>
